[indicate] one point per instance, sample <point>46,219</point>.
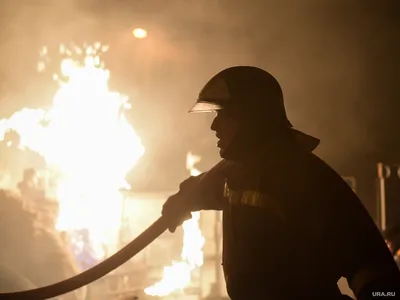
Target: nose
<point>214,124</point>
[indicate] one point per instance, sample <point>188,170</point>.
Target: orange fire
<point>178,275</point>
<point>87,143</point>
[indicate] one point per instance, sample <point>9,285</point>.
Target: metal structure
<point>388,194</point>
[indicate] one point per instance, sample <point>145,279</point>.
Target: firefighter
<point>291,226</point>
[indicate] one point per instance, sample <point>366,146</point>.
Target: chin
<point>221,152</point>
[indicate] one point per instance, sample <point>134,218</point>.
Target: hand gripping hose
<point>98,271</point>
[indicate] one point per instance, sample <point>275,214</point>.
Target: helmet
<point>250,93</point>
<point>243,90</point>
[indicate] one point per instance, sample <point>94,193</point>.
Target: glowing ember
<point>86,141</point>
<point>178,275</point>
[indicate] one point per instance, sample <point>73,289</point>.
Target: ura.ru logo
<point>383,294</point>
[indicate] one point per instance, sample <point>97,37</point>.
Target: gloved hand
<point>179,206</point>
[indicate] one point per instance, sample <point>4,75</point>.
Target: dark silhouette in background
<point>48,259</point>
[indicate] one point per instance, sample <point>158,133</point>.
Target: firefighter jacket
<point>292,227</point>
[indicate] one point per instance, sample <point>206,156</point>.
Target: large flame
<point>86,140</point>
<point>178,275</point>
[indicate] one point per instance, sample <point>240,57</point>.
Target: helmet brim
<point>205,106</point>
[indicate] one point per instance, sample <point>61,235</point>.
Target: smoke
<point>316,49</point>
<point>26,27</point>
<point>24,229</point>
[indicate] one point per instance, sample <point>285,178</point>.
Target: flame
<point>86,141</point>
<point>178,275</point>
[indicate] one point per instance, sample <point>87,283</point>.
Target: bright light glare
<point>139,33</point>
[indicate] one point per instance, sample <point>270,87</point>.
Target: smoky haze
<point>322,52</point>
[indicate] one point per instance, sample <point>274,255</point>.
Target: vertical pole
<point>382,197</point>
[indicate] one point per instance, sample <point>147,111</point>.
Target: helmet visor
<point>205,106</point>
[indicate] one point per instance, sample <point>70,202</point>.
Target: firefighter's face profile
<point>226,128</point>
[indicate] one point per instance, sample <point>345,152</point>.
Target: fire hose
<point>98,271</point>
